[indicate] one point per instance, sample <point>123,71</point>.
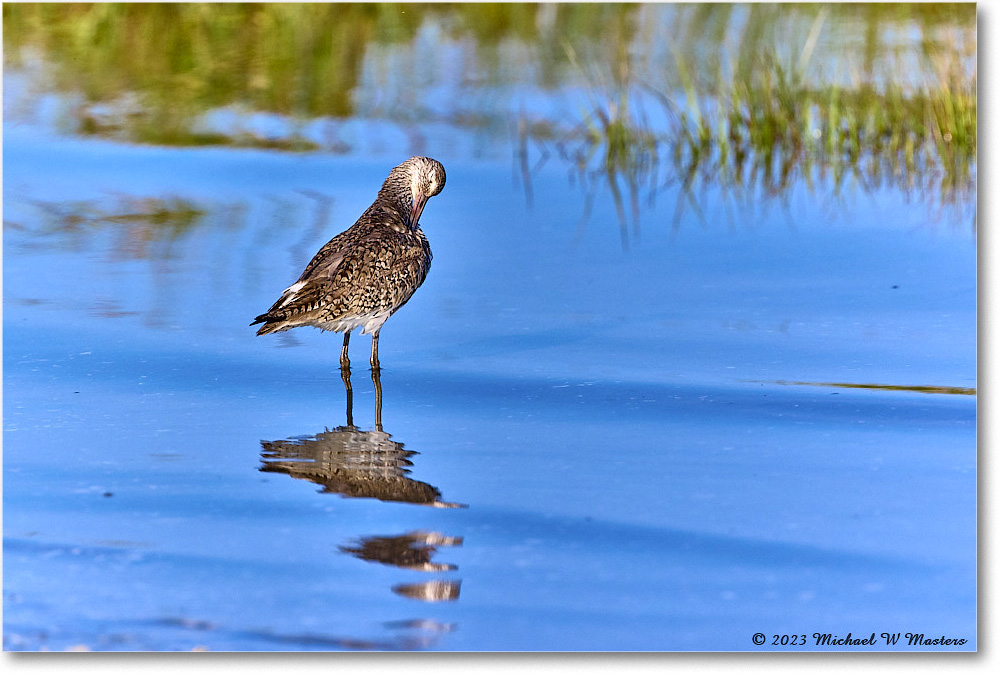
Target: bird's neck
<point>392,213</point>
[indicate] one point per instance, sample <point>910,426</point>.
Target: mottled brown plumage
<point>363,275</point>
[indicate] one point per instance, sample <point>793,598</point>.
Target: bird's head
<point>412,183</point>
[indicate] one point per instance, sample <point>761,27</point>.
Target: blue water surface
<point>641,449</point>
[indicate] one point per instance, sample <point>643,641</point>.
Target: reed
<point>755,98</point>
<point>777,119</point>
<point>764,123</point>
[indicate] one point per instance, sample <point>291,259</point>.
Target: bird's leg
<point>375,365</point>
<point>377,381</point>
<point>345,375</point>
<point>345,363</point>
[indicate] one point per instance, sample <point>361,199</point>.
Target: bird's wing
<point>315,283</point>
<point>298,299</point>
<point>325,278</point>
<point>328,259</point>
<point>345,266</point>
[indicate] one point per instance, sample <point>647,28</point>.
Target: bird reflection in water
<point>351,462</point>
<point>412,551</point>
<point>355,463</point>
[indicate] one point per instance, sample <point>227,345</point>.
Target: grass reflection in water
<point>753,99</point>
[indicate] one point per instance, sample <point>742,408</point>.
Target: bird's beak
<point>419,201</point>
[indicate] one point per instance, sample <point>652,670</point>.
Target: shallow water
<point>579,447</point>
<point>634,475</point>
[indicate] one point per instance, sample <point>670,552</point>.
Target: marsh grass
<point>614,145</point>
<point>147,73</point>
<point>752,100</point>
<point>757,124</point>
<point>774,129</point>
<point>762,136</point>
<point>752,124</point>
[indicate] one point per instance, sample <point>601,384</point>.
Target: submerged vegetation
<point>920,389</point>
<point>753,99</point>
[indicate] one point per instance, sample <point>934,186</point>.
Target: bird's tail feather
<point>271,324</point>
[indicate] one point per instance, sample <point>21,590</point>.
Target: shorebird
<point>366,273</point>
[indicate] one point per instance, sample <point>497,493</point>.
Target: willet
<point>366,273</point>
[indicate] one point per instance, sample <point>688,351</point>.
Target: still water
<point>719,416</point>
